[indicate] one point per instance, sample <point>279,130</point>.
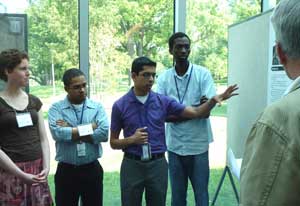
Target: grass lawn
<point>46,91</point>
<point>220,111</point>
<point>112,194</point>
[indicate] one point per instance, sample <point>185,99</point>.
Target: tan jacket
<point>270,173</point>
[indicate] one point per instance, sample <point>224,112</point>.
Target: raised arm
<point>204,109</point>
<point>177,119</point>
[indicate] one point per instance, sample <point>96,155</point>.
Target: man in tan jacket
<point>270,173</point>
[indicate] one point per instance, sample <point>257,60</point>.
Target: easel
<point>226,170</point>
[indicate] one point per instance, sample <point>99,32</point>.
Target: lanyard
<point>186,87</point>
<point>82,110</point>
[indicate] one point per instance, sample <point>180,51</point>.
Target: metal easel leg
<point>226,169</point>
<point>233,185</point>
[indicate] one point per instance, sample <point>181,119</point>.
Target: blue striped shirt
<point>66,149</point>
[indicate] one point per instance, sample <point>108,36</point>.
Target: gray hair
<point>286,23</point>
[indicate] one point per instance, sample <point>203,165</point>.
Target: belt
<point>137,157</point>
<point>84,166</point>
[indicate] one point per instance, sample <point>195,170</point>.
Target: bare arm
<point>178,119</point>
<point>139,137</point>
<point>204,109</point>
<point>8,165</point>
<point>44,145</point>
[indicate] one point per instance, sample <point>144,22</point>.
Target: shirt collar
<point>66,104</point>
<point>188,72</point>
<point>293,86</point>
<point>132,96</point>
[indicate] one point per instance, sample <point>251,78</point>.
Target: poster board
<point>252,64</point>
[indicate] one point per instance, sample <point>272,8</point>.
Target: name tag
<point>85,129</point>
<point>24,119</point>
<point>81,150</point>
<point>146,152</point>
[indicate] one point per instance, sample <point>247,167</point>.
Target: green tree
<point>145,26</point>
<point>120,30</point>
<point>53,38</point>
<point>207,27</point>
<point>138,28</point>
<point>208,22</point>
<point>243,9</point>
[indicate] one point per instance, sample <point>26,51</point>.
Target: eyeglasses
<point>147,75</point>
<point>79,86</point>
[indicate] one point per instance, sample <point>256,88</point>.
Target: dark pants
<point>193,167</point>
<point>137,176</point>
<point>72,182</point>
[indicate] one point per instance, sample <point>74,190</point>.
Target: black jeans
<point>72,182</point>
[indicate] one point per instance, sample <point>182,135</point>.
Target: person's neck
<point>12,91</point>
<point>181,67</point>
<point>72,101</point>
<point>139,92</point>
<point>293,69</point>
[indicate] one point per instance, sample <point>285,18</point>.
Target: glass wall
<point>207,22</point>
<point>121,30</point>
<point>52,42</point>
<point>51,39</point>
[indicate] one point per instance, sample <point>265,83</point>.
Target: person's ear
<point>66,88</point>
<point>133,75</point>
<point>281,54</point>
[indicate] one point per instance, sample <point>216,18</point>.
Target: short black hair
<point>175,36</point>
<point>70,74</point>
<point>138,63</point>
<point>9,59</point>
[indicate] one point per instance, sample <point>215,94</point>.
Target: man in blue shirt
<point>187,141</point>
<point>78,125</point>
<point>141,113</point>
